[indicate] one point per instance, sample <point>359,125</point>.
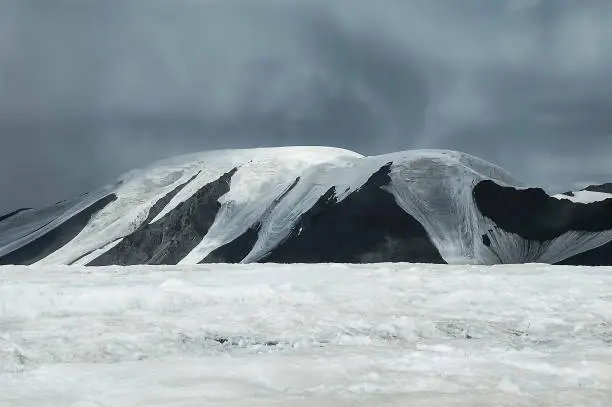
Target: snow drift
<point>328,335</point>
<point>315,204</point>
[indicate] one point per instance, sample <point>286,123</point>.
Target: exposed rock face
<point>236,250</point>
<point>172,237</point>
<point>604,188</point>
<point>316,204</point>
<point>366,227</point>
<point>239,248</point>
<point>534,215</point>
<point>159,206</point>
<point>55,238</point>
<point>600,256</point>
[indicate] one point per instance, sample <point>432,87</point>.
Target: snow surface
<point>258,183</point>
<point>29,225</point>
<point>433,186</point>
<point>139,190</point>
<point>585,196</point>
<point>306,335</point>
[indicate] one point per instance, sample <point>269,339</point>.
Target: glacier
<point>315,204</point>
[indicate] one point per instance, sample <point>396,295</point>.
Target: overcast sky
<point>89,89</point>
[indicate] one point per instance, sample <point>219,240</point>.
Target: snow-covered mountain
<point>315,204</point>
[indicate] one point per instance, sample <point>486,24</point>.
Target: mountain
<point>315,204</point>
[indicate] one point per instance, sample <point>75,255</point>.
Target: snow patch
<point>585,196</point>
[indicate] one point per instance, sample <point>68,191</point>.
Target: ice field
<point>273,189</point>
<point>305,335</point>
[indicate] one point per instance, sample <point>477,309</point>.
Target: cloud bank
<point>91,89</point>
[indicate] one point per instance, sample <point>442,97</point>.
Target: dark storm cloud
<point>91,89</point>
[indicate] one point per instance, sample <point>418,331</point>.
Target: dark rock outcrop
<point>604,188</point>
<point>172,237</point>
<point>155,209</point>
<point>534,215</point>
<point>600,256</point>
<point>165,200</point>
<point>57,237</point>
<point>237,249</point>
<point>367,226</point>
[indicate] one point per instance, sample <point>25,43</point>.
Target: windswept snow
<point>138,190</point>
<point>257,184</point>
<point>15,233</point>
<point>306,335</point>
<point>433,186</point>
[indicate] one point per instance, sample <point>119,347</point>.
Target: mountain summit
<point>315,204</point>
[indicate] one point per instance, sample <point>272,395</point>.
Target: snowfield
<point>306,335</point>
<point>250,202</point>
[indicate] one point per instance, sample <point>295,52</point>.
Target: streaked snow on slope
<point>433,186</point>
<point>306,335</point>
<point>140,189</point>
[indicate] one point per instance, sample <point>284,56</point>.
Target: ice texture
<point>306,335</point>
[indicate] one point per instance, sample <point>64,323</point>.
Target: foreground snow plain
<point>306,335</point>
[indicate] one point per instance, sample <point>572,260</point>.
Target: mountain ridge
<point>316,204</point>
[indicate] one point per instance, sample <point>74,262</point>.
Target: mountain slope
<point>315,204</point>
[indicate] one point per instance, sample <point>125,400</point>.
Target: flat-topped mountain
<point>315,204</point>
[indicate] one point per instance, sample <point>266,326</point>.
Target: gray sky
<point>89,89</point>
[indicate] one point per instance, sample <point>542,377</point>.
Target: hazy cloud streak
<point>91,89</point>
